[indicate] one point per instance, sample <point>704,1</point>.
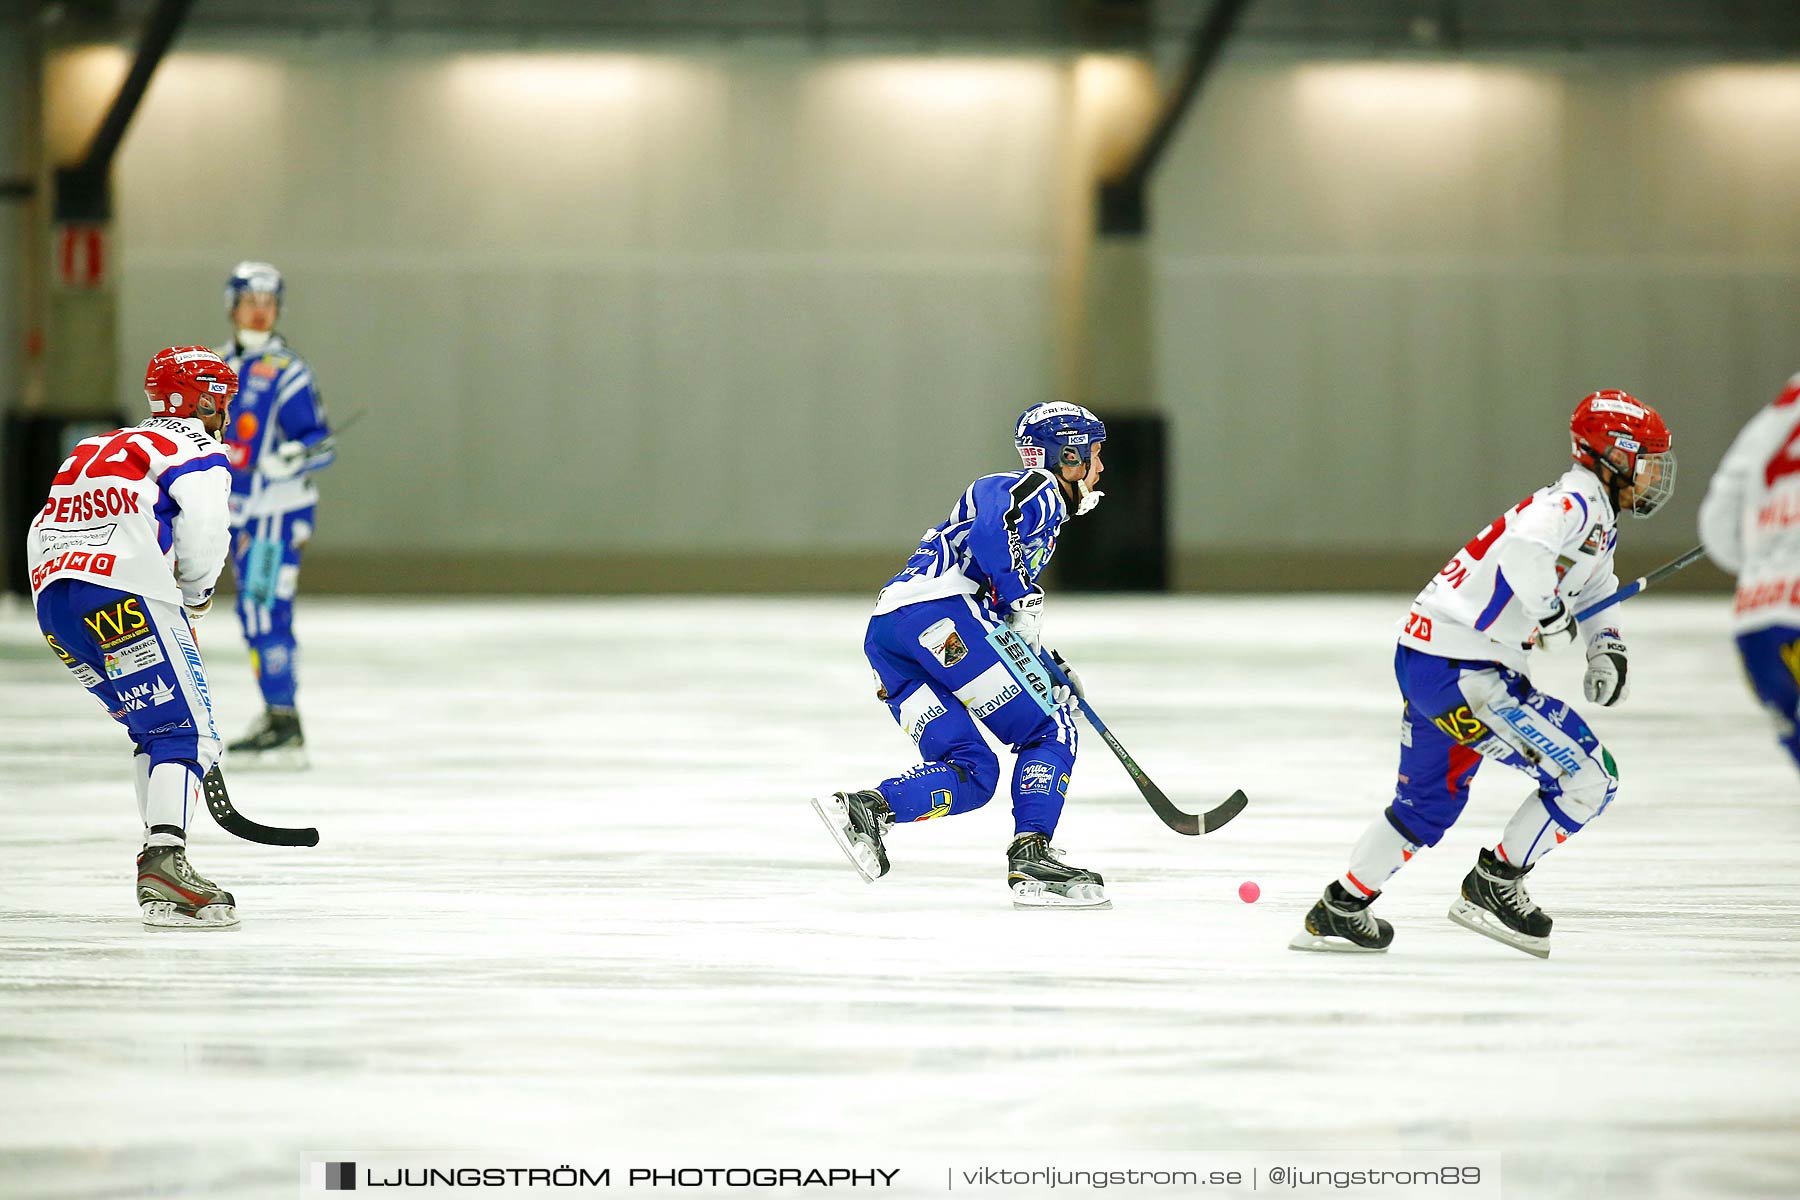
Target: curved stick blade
<point>1233,805</point>
<point>218,802</point>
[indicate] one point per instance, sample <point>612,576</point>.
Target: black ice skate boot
<point>1343,922</point>
<point>1494,903</point>
<point>857,820</point>
<point>274,742</point>
<point>1041,880</point>
<point>172,895</point>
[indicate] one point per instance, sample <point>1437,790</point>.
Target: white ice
<point>570,897</point>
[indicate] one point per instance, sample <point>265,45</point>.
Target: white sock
<point>140,783</point>
<point>1379,853</point>
<point>170,795</point>
<point>1531,834</point>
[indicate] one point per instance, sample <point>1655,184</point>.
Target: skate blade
<point>1084,897</point>
<point>163,916</point>
<point>1473,916</point>
<point>1308,940</point>
<point>861,855</point>
<point>292,758</point>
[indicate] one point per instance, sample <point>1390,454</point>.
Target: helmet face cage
<point>252,278</point>
<point>1654,479</point>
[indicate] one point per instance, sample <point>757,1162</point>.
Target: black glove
<point>1558,629</point>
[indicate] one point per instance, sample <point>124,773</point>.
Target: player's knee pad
<point>1584,794</point>
<point>979,768</point>
<point>944,733</point>
<point>1416,828</point>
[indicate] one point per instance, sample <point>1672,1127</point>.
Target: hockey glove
<point>284,462</point>
<point>1605,683</point>
<point>197,610</point>
<point>1027,618</point>
<point>1061,694</point>
<point>1558,629</point>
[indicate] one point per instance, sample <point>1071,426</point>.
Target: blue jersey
<point>277,402</point>
<point>997,541</point>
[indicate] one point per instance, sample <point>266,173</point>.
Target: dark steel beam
<point>1122,209</point>
<point>81,190</point>
<point>159,35</point>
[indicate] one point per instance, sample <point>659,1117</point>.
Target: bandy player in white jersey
<point>1750,525</point>
<point>126,549</point>
<point>1462,668</point>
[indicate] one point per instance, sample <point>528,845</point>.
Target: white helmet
<point>260,278</point>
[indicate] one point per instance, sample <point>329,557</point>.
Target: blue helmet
<point>1049,435</point>
<point>248,277</point>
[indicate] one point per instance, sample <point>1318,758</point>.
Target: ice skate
<point>857,820</point>
<point>1041,880</point>
<point>1495,904</point>
<point>1342,923</point>
<point>274,743</point>
<point>172,895</point>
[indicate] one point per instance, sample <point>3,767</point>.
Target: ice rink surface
<point>571,898</point>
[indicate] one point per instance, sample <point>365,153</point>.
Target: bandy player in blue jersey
<point>1462,667</point>
<point>123,556</point>
<point>1750,525</point>
<point>955,639</point>
<point>277,440</point>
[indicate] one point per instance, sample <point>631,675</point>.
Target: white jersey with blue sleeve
<point>1555,545</point>
<point>995,544</point>
<point>1750,519</point>
<point>138,510</point>
<point>277,403</point>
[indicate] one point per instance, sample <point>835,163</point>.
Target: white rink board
<point>571,899</point>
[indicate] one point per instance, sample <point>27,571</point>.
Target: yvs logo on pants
<point>117,624</point>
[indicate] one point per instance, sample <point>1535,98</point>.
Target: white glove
<point>1061,694</point>
<point>1026,617</point>
<point>197,608</point>
<point>283,462</point>
<point>1558,629</point>
<point>1605,683</point>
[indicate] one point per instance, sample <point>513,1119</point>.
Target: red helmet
<point>188,381</point>
<point>1618,429</point>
